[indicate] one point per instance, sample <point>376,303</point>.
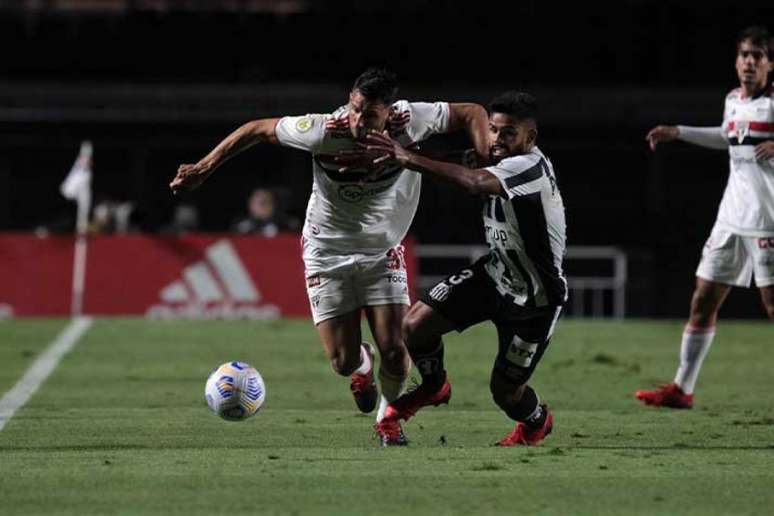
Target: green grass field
<point>121,427</point>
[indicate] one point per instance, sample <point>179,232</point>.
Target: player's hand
<point>189,177</point>
<point>764,151</point>
<point>661,133</point>
<point>356,160</point>
<point>391,150</point>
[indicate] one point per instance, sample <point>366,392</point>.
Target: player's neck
<point>752,90</point>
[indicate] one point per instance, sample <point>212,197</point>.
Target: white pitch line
<point>45,364</point>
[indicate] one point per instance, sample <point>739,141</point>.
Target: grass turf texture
<point>121,427</point>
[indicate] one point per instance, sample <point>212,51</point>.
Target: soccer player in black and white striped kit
<point>519,285</point>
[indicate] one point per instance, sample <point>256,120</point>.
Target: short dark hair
<point>377,84</point>
<point>758,36</point>
<point>517,104</point>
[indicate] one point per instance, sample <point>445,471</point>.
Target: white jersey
<point>526,232</point>
<point>344,214</point>
<point>747,207</point>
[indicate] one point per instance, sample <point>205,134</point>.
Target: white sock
<point>695,346</point>
<point>365,364</point>
<point>392,387</point>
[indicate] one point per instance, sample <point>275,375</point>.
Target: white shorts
<point>340,284</point>
<point>734,259</point>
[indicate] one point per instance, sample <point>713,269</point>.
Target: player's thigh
<point>522,342</point>
<point>331,289</point>
<point>385,323</point>
<point>708,296</point>
<point>725,259</point>
<point>462,299</point>
<point>424,324</point>
<point>341,336</point>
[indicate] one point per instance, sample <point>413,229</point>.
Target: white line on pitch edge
<point>43,366</point>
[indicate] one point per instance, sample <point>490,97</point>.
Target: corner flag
<point>77,187</point>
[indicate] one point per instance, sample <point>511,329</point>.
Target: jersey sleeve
<point>427,119</point>
<point>710,137</point>
<point>301,132</point>
<point>519,175</point>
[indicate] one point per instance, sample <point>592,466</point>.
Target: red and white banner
<point>195,276</point>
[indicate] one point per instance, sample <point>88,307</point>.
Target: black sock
<point>528,410</point>
<point>430,365</point>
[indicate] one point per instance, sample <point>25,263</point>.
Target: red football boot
<point>390,433</point>
<point>523,435</point>
<point>363,386</point>
<point>424,395</point>
<point>669,395</point>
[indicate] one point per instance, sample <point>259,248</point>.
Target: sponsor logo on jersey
<point>498,235</point>
<point>357,192</point>
<point>520,352</point>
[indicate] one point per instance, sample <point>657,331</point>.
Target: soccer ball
<point>235,391</point>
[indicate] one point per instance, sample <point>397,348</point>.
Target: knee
<point>345,363</point>
<point>769,310</point>
<point>395,359</point>
<point>703,308</point>
<point>411,327</point>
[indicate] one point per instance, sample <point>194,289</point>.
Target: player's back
<point>526,231</point>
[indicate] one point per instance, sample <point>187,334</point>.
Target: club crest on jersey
<point>304,124</point>
<point>440,292</point>
<point>742,130</point>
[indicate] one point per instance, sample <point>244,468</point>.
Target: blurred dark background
<point>157,83</point>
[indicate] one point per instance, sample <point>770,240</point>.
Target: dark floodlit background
<point>157,83</point>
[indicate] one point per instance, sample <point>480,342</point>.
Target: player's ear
<point>532,134</point>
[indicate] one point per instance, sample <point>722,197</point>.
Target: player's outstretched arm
<point>474,120</point>
<point>191,175</point>
<point>710,137</point>
<point>474,181</point>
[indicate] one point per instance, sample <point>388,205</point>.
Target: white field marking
<point>43,366</point>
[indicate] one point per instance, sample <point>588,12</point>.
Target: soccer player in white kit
<point>355,223</point>
<point>519,285</point>
<point>741,244</point>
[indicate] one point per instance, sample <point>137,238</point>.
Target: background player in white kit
<point>741,244</point>
<point>355,223</point>
<point>519,285</point>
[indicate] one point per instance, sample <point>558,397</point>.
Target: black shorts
<point>470,296</point>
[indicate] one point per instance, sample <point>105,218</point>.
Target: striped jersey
<point>526,232</point>
<point>747,207</point>
<point>346,214</point>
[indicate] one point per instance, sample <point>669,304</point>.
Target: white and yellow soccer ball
<point>235,391</point>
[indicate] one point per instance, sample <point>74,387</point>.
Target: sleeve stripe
<point>531,174</point>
